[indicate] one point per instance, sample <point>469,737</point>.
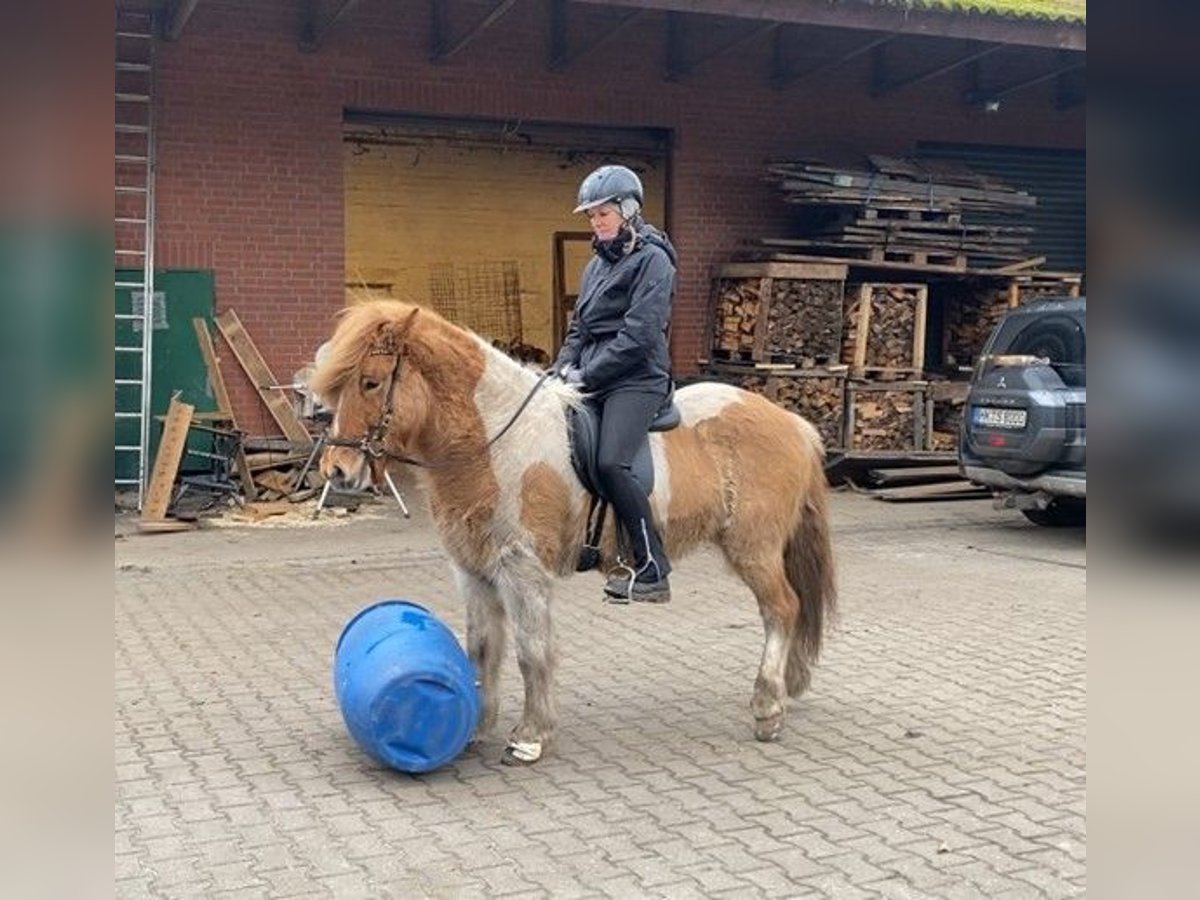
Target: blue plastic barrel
<point>406,688</point>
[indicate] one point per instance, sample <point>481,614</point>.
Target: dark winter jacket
<point>618,333</point>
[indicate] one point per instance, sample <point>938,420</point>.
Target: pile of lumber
<point>902,211</point>
<point>891,183</point>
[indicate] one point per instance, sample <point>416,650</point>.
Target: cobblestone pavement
<point>940,752</point>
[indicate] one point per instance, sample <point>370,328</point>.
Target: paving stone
<point>940,753</point>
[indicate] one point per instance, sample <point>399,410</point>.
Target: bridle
<point>371,444</point>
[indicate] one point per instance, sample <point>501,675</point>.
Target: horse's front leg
<point>525,588</point>
<point>485,640</point>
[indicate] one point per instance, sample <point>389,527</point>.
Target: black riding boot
<point>624,423</point>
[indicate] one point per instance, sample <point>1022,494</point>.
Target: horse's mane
<point>438,347</point>
<point>377,326</point>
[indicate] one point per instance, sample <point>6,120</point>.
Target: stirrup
<point>618,595</point>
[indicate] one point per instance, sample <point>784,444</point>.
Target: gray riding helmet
<point>611,184</point>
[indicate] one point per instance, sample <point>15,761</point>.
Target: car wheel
<point>1059,514</point>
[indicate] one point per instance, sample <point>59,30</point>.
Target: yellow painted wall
<point>428,218</point>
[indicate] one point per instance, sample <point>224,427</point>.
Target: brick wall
<point>250,140</point>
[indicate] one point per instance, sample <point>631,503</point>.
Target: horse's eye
<point>370,384</point>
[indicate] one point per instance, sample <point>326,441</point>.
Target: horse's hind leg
<point>779,607</point>
<point>524,587</point>
<point>485,640</point>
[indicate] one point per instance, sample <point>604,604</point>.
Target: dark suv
<point>1024,431</point>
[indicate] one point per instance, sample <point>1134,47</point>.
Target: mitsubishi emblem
<point>1000,383</point>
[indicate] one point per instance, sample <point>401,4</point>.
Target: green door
<point>176,363</point>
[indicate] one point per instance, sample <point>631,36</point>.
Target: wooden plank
<point>759,349</point>
<point>865,293</point>
<point>962,490</point>
<point>918,357</point>
<point>255,366</point>
<point>224,405</point>
<point>166,461</point>
<point>1032,263</point>
<point>810,271</point>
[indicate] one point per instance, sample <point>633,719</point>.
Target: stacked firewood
<point>778,313</point>
<point>817,395</point>
<point>972,310</point>
<point>818,398</point>
<point>737,304</point>
<point>804,322</point>
<point>885,416</point>
<point>891,325</point>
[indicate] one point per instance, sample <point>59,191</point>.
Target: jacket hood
<point>652,235</point>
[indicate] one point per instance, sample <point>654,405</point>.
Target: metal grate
<point>484,296</point>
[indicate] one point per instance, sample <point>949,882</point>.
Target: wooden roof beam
<point>561,55</point>
<point>873,17</point>
<point>680,67</point>
<point>882,86</point>
<point>783,77</point>
<point>443,49</point>
<point>983,95</point>
<point>316,28</point>
<point>177,17</point>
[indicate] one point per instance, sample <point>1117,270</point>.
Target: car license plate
<point>993,417</point>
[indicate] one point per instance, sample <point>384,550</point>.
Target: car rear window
<point>1059,337</point>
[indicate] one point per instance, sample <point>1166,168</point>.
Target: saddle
<point>583,428</point>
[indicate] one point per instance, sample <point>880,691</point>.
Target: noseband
<point>371,444</point>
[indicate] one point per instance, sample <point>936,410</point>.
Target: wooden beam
<point>178,14</point>
<point>261,377</point>
<point>598,39</point>
<point>686,67</point>
<point>315,29</point>
<point>787,79</point>
<point>889,87</point>
<point>443,52</point>
<point>982,95</point>
<point>876,17</point>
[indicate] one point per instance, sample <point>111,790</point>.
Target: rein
<point>371,444</point>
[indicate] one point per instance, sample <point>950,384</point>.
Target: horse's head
<point>378,397</point>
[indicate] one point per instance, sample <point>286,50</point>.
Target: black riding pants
<point>625,419</point>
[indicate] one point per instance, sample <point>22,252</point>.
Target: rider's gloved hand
<point>571,375</point>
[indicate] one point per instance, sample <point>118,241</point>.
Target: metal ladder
<point>134,243</point>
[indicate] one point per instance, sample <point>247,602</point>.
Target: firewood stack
<point>778,313</point>
<point>737,305</point>
<point>885,416</point>
<point>892,317</point>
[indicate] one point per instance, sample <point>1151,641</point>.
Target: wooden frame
<point>866,291</point>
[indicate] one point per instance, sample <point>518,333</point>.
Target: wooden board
<point>255,366</point>
<point>808,271</point>
<point>224,406</point>
<point>166,461</point>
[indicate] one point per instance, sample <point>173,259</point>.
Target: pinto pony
<point>490,439</point>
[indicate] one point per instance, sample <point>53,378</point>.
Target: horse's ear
<point>390,334</point>
<point>407,324</point>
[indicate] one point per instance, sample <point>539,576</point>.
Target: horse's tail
<point>808,560</point>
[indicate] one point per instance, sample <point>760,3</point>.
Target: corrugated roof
<point>1058,10</point>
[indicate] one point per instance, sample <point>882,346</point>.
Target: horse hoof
<point>522,753</point>
<point>768,729</point>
